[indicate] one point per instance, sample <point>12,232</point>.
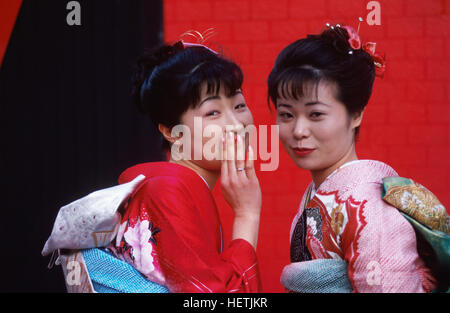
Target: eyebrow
<point>284,105</point>
<point>209,98</point>
<point>306,104</point>
<point>216,97</point>
<point>315,102</point>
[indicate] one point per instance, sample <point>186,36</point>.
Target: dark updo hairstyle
<point>168,79</point>
<point>324,57</point>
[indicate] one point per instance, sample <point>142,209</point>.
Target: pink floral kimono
<point>346,219</point>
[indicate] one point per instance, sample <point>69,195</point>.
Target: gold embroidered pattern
<point>337,219</point>
<point>419,203</point>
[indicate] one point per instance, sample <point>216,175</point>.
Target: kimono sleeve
<point>380,247</point>
<point>186,243</point>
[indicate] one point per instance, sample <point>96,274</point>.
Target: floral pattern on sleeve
<point>135,243</point>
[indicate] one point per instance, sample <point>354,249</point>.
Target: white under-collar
<point>344,165</point>
<point>313,189</point>
<point>203,179</point>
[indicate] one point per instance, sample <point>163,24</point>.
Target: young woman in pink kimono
<point>344,236</point>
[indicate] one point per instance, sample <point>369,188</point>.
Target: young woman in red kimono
<point>170,230</point>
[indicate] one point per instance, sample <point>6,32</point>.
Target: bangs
<point>294,83</point>
<point>217,75</point>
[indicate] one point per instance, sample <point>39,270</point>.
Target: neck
<point>319,176</point>
<point>210,177</point>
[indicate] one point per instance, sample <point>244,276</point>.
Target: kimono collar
<point>354,173</point>
<point>313,186</point>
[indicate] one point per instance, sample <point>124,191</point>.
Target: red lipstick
<point>302,151</point>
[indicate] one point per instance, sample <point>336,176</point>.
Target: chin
<point>305,163</point>
<point>210,165</point>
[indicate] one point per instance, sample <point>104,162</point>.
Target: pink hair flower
<point>354,40</point>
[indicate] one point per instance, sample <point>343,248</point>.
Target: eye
<point>240,106</point>
<point>316,114</point>
<point>212,113</point>
<point>285,115</point>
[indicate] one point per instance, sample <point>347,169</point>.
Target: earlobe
<point>167,133</point>
<point>357,119</point>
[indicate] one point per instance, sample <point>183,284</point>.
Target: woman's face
<point>216,112</point>
<point>316,130</point>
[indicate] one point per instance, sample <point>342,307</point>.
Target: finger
<point>224,168</point>
<point>250,164</point>
<point>240,154</point>
<point>231,163</point>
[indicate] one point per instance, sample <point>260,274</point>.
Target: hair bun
<point>145,65</point>
<point>338,38</point>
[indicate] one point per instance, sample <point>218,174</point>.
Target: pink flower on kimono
<point>138,237</point>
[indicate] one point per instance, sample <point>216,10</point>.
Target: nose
<point>232,122</point>
<point>301,129</point>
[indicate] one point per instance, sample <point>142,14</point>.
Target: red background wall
<point>407,121</point>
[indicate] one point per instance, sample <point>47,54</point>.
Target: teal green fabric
<point>440,243</point>
<point>389,182</point>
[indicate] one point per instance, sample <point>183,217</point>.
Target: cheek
<point>285,132</point>
<point>245,118</point>
<point>332,133</point>
<point>212,135</point>
<point>324,131</point>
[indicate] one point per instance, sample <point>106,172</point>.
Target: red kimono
<point>172,234</point>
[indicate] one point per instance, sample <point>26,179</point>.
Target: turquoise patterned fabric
<point>111,275</point>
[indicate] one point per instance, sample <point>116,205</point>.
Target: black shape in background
<point>67,123</point>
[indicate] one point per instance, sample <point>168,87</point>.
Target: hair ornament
<point>200,38</point>
<point>354,41</point>
<point>353,37</point>
<point>360,19</point>
<point>379,59</point>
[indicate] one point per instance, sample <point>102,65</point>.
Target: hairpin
<point>360,19</point>
<point>201,38</point>
<point>354,41</point>
<point>339,33</point>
